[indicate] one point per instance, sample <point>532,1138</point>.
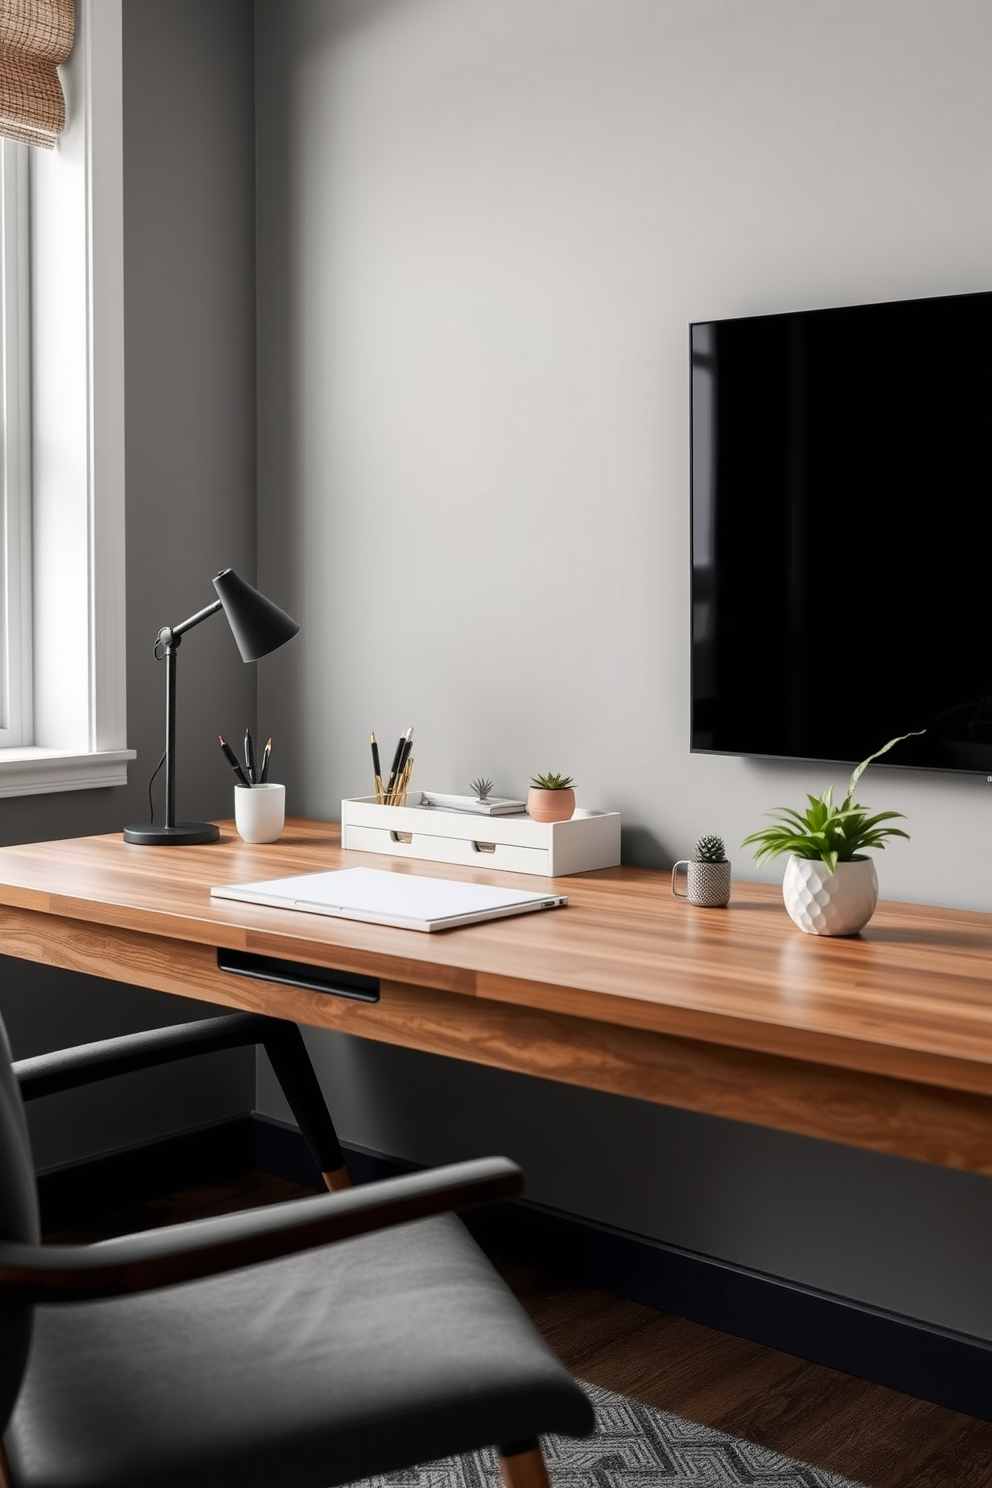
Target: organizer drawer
<point>478,852</point>
<point>515,844</point>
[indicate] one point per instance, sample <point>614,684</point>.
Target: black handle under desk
<point>300,974</point>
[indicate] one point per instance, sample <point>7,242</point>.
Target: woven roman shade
<point>35,36</point>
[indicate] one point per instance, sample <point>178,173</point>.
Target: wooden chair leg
<point>522,1466</point>
<point>339,1178</point>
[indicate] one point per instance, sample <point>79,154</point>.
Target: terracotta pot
<point>550,805</point>
<point>825,903</point>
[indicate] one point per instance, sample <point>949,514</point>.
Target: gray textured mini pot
<point>707,884</point>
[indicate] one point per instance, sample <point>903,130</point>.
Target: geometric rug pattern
<point>634,1446</point>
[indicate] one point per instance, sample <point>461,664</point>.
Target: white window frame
<point>16,720</point>
<point>77,432</point>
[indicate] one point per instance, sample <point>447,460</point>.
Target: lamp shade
<point>259,626</point>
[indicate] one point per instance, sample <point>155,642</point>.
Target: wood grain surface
<point>883,1040</point>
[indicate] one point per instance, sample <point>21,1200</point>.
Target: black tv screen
<point>842,533</point>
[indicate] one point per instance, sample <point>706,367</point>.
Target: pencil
<point>377,771</point>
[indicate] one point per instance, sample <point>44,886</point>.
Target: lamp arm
<point>181,629</point>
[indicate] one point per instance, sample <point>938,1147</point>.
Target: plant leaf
<point>913,733</point>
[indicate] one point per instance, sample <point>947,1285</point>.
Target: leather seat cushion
<point>356,1358</point>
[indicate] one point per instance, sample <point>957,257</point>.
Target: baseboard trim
<point>919,1358</point>
<point>904,1353</point>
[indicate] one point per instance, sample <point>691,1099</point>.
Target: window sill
<point>37,772</point>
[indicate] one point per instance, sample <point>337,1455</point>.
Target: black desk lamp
<point>259,627</point>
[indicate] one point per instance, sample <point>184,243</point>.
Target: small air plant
<point>482,788</point>
<point>552,782</point>
<point>710,849</point>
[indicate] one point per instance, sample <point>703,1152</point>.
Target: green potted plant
<point>830,887</point>
<point>707,874</point>
<point>550,798</point>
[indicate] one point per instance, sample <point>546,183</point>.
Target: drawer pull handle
<point>487,847</point>
<point>299,974</point>
<point>401,836</point>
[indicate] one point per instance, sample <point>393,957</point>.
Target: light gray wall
<point>483,228</point>
<point>189,266</point>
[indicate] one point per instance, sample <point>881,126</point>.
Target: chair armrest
<point>154,1258</point>
<point>65,1069</point>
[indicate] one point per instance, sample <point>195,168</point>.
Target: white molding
<point>102,36</point>
<point>78,420</point>
<point>16,714</point>
<point>34,772</point>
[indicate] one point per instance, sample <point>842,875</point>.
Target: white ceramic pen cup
<point>260,811</point>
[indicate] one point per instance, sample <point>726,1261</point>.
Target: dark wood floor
<point>875,1436</point>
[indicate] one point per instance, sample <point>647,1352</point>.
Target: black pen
<point>399,764</point>
<point>264,771</point>
<point>395,765</point>
<point>232,760</point>
<point>405,754</point>
<point>377,771</point>
<point>249,757</point>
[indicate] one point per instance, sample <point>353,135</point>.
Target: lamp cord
<point>151,803</point>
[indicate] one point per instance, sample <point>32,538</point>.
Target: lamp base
<point>183,834</point>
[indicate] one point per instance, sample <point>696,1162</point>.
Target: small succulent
<point>710,850</point>
<point>482,787</point>
<point>552,782</point>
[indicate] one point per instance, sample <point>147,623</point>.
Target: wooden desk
<point>883,1041</point>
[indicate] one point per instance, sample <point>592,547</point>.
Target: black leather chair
<point>309,1343</point>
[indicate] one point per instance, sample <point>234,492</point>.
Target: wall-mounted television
<point>842,533</point>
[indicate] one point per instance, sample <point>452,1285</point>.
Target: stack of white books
<point>491,806</point>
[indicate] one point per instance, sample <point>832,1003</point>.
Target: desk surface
<point>884,1040</point>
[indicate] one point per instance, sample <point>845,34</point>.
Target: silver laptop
<point>403,899</point>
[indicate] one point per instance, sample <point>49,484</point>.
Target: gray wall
<point>189,264</point>
<point>483,228</point>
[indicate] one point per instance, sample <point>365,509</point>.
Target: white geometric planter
<point>825,903</point>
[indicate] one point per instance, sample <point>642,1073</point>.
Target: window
<point>72,582</point>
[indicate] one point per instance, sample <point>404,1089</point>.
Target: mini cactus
<point>482,787</point>
<point>710,850</point>
<point>552,782</point>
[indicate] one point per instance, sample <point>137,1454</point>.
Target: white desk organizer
<point>591,839</point>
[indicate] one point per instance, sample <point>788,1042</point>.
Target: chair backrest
<point>18,1221</point>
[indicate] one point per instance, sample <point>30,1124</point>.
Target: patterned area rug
<point>634,1446</point>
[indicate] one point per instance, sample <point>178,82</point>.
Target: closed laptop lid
<point>407,900</point>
